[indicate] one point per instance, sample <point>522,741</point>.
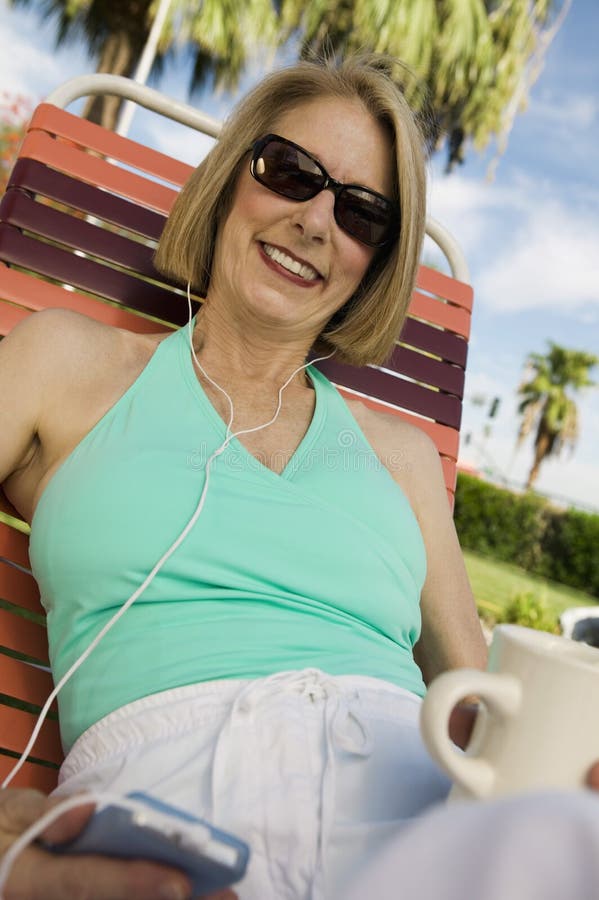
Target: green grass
<point>495,584</point>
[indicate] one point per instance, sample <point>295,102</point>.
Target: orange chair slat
<point>19,588</point>
<point>31,775</point>
<point>94,170</point>
<point>449,471</point>
<point>437,283</point>
<point>23,636</point>
<point>24,682</point>
<point>14,545</point>
<point>19,287</point>
<point>9,315</point>
<point>16,726</point>
<point>57,121</point>
<point>452,318</point>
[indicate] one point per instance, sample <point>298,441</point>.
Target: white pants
<point>533,847</point>
<point>314,772</point>
<point>327,780</point>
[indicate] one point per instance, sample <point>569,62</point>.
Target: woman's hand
<point>461,723</point>
<point>593,777</point>
<point>38,875</point>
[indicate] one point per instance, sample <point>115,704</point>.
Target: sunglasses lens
<point>286,170</point>
<point>364,215</point>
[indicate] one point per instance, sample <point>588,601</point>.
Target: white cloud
<point>528,248</point>
<point>572,111</point>
<point>179,142</point>
<point>552,262</point>
<point>29,63</point>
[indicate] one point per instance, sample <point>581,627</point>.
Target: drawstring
<point>343,729</point>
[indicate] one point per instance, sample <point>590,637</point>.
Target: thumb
<point>70,823</point>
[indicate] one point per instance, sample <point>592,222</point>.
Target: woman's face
<point>265,235</point>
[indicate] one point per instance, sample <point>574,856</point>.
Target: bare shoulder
<point>59,338</point>
<point>59,373</point>
<point>410,456</point>
<point>404,449</point>
<point>59,349</point>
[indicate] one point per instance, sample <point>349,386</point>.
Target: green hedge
<point>526,530</point>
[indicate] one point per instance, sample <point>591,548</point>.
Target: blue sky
<point>531,236</point>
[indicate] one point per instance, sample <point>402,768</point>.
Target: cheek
<point>357,261</point>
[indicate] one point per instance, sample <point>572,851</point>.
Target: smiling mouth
<point>303,270</point>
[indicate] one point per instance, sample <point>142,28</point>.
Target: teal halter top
<point>321,566</point>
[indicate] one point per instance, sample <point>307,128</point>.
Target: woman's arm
<point>451,632</point>
<point>22,386</point>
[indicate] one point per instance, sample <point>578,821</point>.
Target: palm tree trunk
<point>542,449</point>
<point>117,58</point>
<point>128,31</point>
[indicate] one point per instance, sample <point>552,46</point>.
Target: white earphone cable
<point>106,628</point>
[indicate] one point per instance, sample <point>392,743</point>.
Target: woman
<point>265,677</point>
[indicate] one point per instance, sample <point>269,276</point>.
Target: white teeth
<point>292,265</point>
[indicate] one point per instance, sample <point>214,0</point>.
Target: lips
<point>295,266</point>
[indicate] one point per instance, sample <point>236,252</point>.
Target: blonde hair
<point>366,328</point>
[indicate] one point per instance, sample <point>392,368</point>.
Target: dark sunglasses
<point>289,170</point>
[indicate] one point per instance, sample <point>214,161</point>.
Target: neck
<point>232,354</point>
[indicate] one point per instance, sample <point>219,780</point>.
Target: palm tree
<point>546,404</point>
<point>473,60</point>
<point>220,33</point>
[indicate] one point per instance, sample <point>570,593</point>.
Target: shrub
<point>526,530</point>
<point>571,544</point>
<point>531,611</point>
<point>498,523</point>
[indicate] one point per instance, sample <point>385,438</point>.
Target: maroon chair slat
<point>24,682</point>
<point>23,636</point>
<point>36,294</point>
<point>442,343</point>
<point>19,210</point>
<point>87,275</point>
<point>34,177</point>
<point>440,374</point>
<point>444,408</point>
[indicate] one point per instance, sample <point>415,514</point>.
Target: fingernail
<point>174,890</point>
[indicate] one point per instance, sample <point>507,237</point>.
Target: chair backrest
<point>78,226</point>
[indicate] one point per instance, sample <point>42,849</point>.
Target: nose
<point>315,218</point>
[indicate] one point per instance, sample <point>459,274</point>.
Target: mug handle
<point>501,694</point>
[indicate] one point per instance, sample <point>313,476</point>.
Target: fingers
<point>222,895</point>
<point>593,777</point>
<point>461,723</point>
<point>69,824</point>
<point>41,876</point>
<point>20,808</point>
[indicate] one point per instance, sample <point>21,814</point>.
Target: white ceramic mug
<point>539,724</point>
